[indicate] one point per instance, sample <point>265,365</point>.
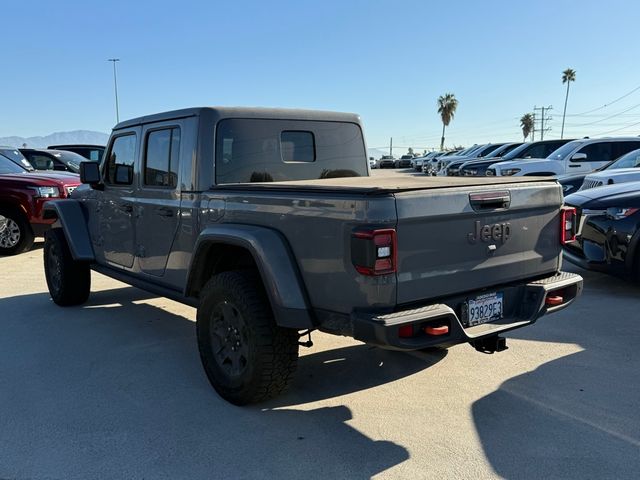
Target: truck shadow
<point>115,388</point>
<point>576,416</point>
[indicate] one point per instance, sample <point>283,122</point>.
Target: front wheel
<point>16,235</point>
<point>69,280</point>
<point>246,356</point>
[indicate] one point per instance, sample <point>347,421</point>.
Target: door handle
<point>126,207</point>
<point>574,166</point>
<point>164,212</point>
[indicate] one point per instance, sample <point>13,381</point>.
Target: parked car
<point>453,167</point>
<point>372,163</point>
<point>404,161</point>
<point>571,183</point>
<point>418,162</point>
<point>443,160</point>
<point>23,194</point>
<point>625,169</point>
<point>276,245</point>
<point>90,152</point>
<point>60,160</point>
<point>539,149</point>
<point>387,161</point>
<point>608,237</point>
<point>14,155</point>
<point>574,157</point>
<point>432,166</point>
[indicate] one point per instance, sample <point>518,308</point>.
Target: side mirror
<point>124,174</point>
<point>90,173</point>
<point>579,157</point>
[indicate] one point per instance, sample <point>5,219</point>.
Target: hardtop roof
<point>218,113</point>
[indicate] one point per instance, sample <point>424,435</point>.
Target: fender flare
<point>276,265</point>
<point>70,217</point>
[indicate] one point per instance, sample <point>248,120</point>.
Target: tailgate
<point>461,239</point>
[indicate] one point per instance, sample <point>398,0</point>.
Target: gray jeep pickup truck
<point>268,222</point>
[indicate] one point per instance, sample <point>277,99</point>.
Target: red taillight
<point>567,225</point>
<point>405,331</point>
<point>374,252</point>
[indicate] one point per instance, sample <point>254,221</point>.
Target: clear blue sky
<point>387,61</point>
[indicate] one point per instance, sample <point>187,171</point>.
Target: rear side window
<point>123,152</point>
<point>622,148</point>
<point>256,150</point>
<point>162,157</point>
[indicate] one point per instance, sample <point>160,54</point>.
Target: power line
<point>617,129</point>
<point>606,118</point>
<point>606,104</point>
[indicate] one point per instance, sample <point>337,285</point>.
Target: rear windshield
<point>250,150</point>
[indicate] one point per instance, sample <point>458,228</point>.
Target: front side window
<point>598,152</point>
<point>161,158</point>
<point>121,159</point>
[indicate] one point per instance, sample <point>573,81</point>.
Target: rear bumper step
<point>424,327</point>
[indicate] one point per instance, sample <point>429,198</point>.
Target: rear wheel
<point>69,280</point>
<point>246,356</point>
<point>16,235</point>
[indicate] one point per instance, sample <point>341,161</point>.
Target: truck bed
<point>381,185</point>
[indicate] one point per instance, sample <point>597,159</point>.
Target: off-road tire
<point>16,235</point>
<point>235,313</point>
<point>69,281</point>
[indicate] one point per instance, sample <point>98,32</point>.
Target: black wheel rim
<point>55,267</point>
<point>228,337</point>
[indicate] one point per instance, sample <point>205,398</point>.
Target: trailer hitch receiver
<point>491,344</point>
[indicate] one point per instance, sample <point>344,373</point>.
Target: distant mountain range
<point>93,138</point>
<point>58,138</point>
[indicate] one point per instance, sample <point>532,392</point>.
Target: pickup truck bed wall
<point>380,185</point>
<point>435,258</point>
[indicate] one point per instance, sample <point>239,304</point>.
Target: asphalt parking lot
<point>114,389</point>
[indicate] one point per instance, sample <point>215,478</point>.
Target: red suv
<point>22,195</point>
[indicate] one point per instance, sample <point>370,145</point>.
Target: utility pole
<point>533,132</point>
<point>391,146</point>
<point>115,86</point>
<point>544,118</point>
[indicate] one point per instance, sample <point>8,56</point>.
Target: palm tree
<point>447,105</point>
<point>526,122</point>
<point>568,76</point>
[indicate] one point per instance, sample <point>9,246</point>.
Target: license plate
<point>485,308</point>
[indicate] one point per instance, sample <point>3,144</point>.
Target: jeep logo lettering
<point>498,232</point>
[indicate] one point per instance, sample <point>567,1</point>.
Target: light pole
<point>115,86</point>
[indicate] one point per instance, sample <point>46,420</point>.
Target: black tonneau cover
<point>380,185</point>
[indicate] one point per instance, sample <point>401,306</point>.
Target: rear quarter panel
<point>318,230</point>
